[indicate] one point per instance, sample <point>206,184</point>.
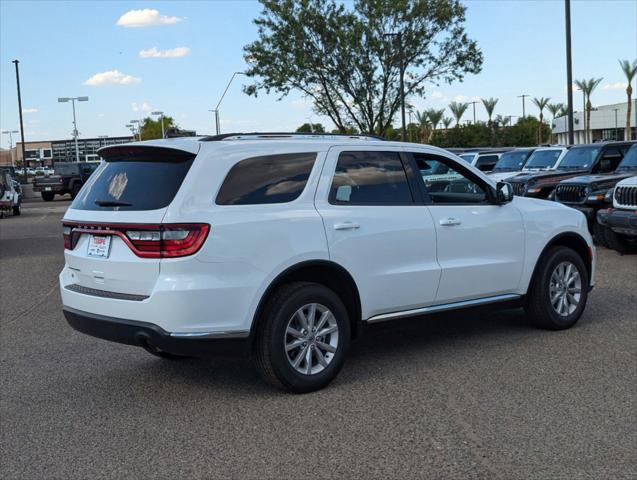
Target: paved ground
<point>464,396</point>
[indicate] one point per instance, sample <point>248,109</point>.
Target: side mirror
<point>504,192</point>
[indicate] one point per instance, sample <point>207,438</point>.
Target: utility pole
<point>17,80</point>
<point>161,116</point>
<point>523,106</point>
<point>569,72</point>
<point>615,110</point>
<point>10,133</point>
<point>75,132</point>
<point>474,111</point>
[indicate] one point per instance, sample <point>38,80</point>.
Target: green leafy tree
<point>346,58</point>
<point>435,117</point>
<point>630,70</point>
<point>151,129</point>
<point>541,104</point>
<point>311,128</point>
<point>587,86</point>
<point>489,106</point>
<point>446,121</point>
<point>424,127</point>
<point>458,109</point>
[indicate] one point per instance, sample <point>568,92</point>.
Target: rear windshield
<point>66,169</point>
<point>135,182</point>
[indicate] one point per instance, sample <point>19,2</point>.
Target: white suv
<point>281,246</point>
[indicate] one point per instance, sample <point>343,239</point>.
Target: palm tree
<point>587,86</point>
<point>435,116</point>
<point>446,121</point>
<point>541,103</point>
<point>423,122</point>
<point>630,70</point>
<point>556,109</point>
<point>489,106</point>
<point>458,109</point>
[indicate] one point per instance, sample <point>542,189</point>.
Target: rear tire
<point>48,196</point>
<point>294,357</point>
<point>621,243</point>
<point>558,294</point>
<point>17,210</point>
<point>75,190</point>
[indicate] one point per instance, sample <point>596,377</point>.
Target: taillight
<point>146,241</point>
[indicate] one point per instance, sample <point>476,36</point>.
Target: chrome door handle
<point>346,226</point>
<point>450,222</point>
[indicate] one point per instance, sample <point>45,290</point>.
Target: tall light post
<point>131,127</point>
<point>474,111</point>
<point>569,72</point>
<point>216,116</point>
<point>216,109</point>
<point>139,128</point>
<point>401,67</point>
<point>22,147</point>
<point>11,132</point>
<point>75,132</point>
<point>161,116</point>
<point>615,110</point>
<point>523,96</point>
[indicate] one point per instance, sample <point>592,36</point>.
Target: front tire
<point>302,338</point>
<point>559,291</point>
<point>599,234</point>
<point>621,243</point>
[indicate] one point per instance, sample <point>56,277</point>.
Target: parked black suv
<point>68,178</point>
<point>595,158</point>
<point>590,193</point>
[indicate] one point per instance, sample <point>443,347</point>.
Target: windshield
<point>543,159</point>
<point>468,157</point>
<point>579,158</point>
<point>65,169</point>
<point>512,160</point>
<point>630,160</point>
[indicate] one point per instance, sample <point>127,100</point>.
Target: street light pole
<point>523,107</point>
<point>569,72</point>
<point>139,128</point>
<point>10,133</point>
<point>161,114</point>
<point>474,111</point>
<point>75,132</point>
<point>216,109</point>
<point>615,109</point>
<point>17,80</point>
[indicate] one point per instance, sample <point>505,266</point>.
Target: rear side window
<point>145,179</point>
<point>268,179</point>
<point>370,178</point>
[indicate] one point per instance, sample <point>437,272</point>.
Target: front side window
<point>370,178</point>
<point>268,179</point>
<point>446,184</point>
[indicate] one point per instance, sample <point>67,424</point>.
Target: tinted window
<point>582,157</point>
<point>543,159</point>
<point>370,178</point>
<point>268,179</point>
<point>484,160</point>
<point>133,184</point>
<point>66,169</point>
<point>630,160</point>
<point>512,160</point>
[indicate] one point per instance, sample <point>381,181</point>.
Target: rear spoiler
<point>145,153</point>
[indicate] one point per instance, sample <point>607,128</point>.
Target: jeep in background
<point>579,160</point>
<point>590,193</point>
<point>511,162</point>
<point>484,160</point>
<point>67,178</point>
<point>619,223</point>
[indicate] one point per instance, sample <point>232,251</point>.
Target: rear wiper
<point>111,203</point>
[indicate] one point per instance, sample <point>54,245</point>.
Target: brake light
<point>146,241</point>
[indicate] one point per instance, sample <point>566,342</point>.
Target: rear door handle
<point>450,222</point>
<point>346,226</point>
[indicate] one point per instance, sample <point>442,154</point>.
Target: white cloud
<point>148,17</point>
<point>29,110</point>
<point>615,86</point>
<point>101,114</point>
<point>460,98</point>
<point>144,107</point>
<point>112,77</point>
<point>169,53</point>
<point>436,95</point>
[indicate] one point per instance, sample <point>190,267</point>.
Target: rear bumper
<point>619,221</point>
<point>151,336</point>
<point>49,188</point>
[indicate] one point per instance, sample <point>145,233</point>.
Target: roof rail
<point>279,135</point>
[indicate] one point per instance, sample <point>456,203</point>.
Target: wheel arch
<point>325,272</point>
<point>575,242</point>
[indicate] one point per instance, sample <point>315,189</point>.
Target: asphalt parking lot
<point>470,395</point>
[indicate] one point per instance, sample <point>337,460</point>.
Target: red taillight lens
<point>146,241</point>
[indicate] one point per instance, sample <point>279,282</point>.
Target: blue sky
<point>61,45</point>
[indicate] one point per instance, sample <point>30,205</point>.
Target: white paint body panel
<point>400,258</point>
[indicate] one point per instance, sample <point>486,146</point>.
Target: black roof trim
<point>265,135</point>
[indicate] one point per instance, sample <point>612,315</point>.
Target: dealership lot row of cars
<point>597,179</point>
